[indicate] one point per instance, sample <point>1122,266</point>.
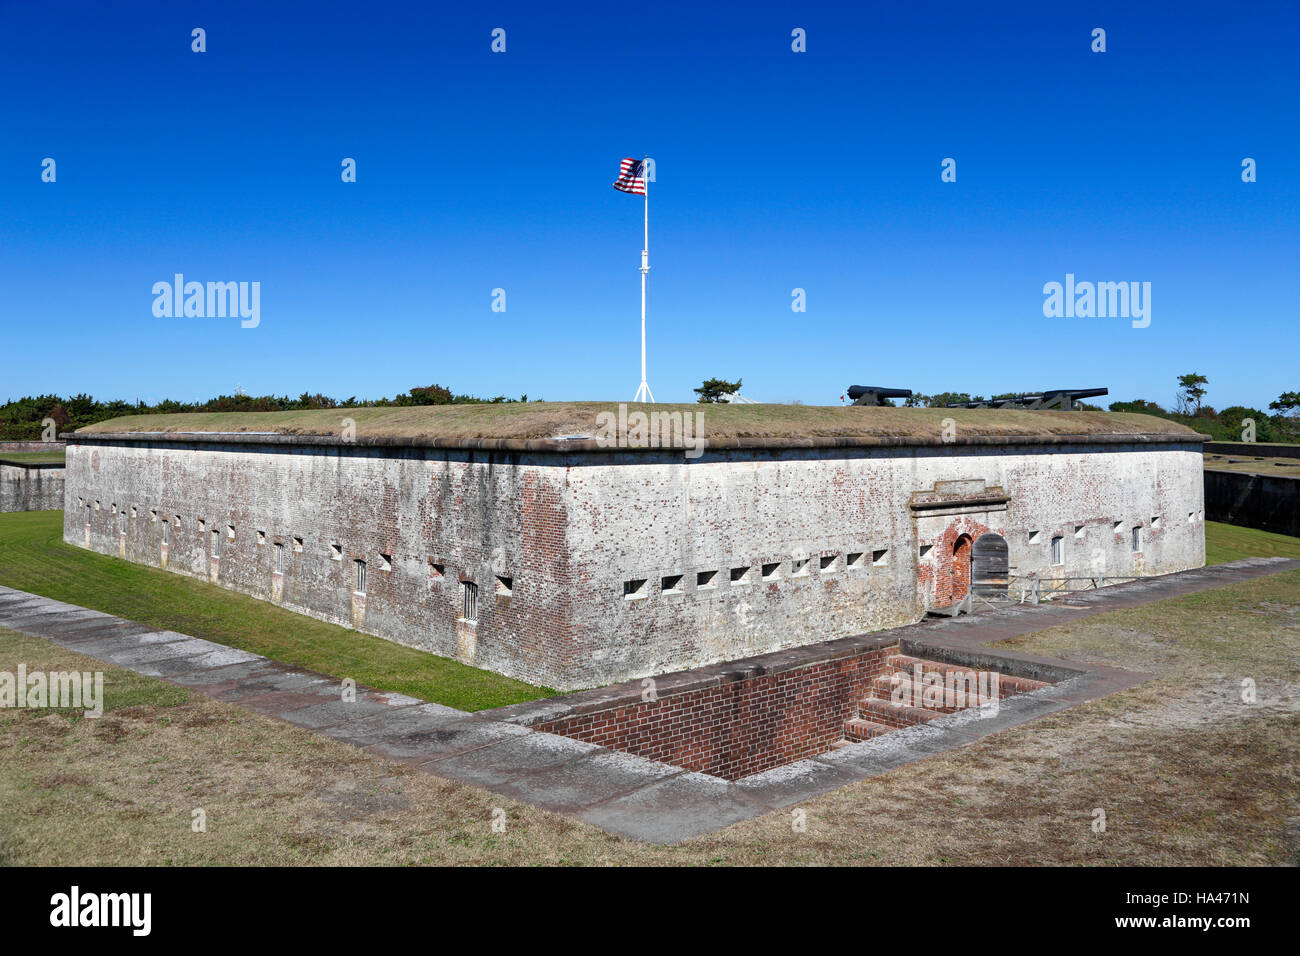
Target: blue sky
<point>775,170</point>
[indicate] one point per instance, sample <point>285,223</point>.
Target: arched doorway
<point>961,558</point>
<point>990,571</point>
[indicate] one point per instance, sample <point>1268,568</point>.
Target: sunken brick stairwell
<point>898,697</point>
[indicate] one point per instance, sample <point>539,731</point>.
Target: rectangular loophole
<point>706,580</point>
<point>827,563</point>
<point>634,590</point>
<point>671,584</point>
<point>437,571</point>
<point>740,575</point>
<point>924,550</point>
<point>504,587</point>
<point>772,572</point>
<point>799,567</point>
<point>469,602</point>
<point>879,558</point>
<point>855,559</point>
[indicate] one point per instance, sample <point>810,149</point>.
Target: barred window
<point>469,598</point>
<point>361,577</point>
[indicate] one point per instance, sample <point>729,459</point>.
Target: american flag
<point>631,177</point>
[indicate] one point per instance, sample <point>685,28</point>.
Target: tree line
<point>21,419</point>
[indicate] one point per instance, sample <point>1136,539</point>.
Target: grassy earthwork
<point>34,557</point>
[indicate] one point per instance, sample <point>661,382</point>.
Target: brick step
<point>842,742</point>
<point>893,715</point>
<point>882,689</point>
<point>1007,685</point>
<point>862,729</point>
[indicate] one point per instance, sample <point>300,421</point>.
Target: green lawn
<point>1227,542</point>
<point>33,457</point>
<point>33,557</point>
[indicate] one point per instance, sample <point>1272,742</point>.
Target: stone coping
<point>589,445</point>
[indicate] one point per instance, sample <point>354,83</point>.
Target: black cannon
<point>1062,398</point>
<point>875,395</point>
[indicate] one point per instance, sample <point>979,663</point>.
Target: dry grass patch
<point>534,420</point>
<point>1185,772</point>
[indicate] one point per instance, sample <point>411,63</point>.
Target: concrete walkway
<point>616,791</point>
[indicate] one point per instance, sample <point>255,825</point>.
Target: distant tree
<point>943,399</point>
<point>1191,389</point>
<point>715,390</point>
<point>1288,403</point>
<point>1140,405</point>
<point>1231,419</point>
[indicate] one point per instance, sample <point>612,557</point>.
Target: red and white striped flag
<point>631,177</point>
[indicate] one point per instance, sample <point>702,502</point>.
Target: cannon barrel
<point>857,391</point>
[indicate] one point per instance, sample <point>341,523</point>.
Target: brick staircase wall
<point>737,727</point>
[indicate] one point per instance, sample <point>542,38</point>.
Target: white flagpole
<point>643,392</point>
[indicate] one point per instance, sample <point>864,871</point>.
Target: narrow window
<point>88,514</point>
<point>798,567</point>
<point>166,531</point>
<point>153,515</point>
<point>926,549</point>
<point>1058,550</point>
<point>671,584</point>
<point>133,513</point>
<point>385,562</point>
<point>1117,526</point>
<point>361,577</point>
<point>230,532</point>
<point>878,557</point>
<point>1034,536</point>
<point>261,538</point>
<point>772,571</point>
<point>828,563</point>
<point>504,587</point>
<point>1137,538</point>
<point>634,590</point>
<point>1155,522</point>
<point>854,559</point>
<point>469,601</point>
<point>121,523</point>
<point>740,575</point>
<point>216,543</point>
<point>437,571</point>
<point>704,580</point>
<point>297,545</point>
<point>1078,531</point>
<point>336,552</point>
<point>279,558</point>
